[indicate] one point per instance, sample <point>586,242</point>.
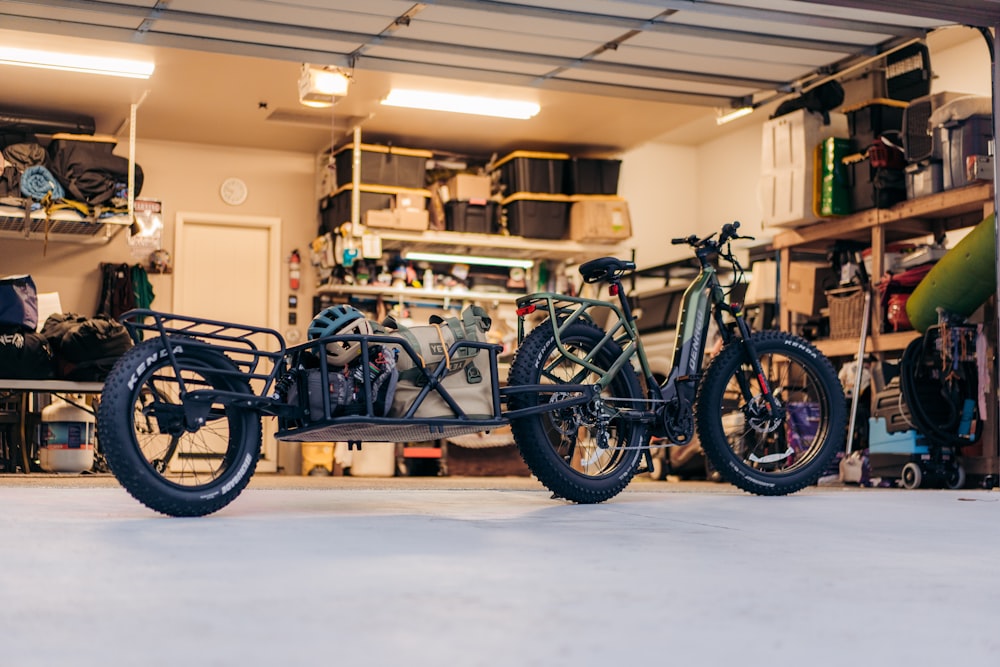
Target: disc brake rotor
<point>759,416</point>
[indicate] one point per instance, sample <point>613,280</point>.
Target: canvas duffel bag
<point>468,380</point>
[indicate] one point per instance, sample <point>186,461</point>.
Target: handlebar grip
<point>729,232</point>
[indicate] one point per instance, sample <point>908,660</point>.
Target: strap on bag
<point>444,346</point>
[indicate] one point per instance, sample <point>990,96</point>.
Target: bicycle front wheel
<point>755,449</point>
<point>586,453</point>
<point>142,431</point>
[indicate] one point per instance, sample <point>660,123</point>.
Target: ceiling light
<point>480,106</point>
<point>467,259</point>
<point>319,87</point>
<point>75,62</point>
<point>724,118</point>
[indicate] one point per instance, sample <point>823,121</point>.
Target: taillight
<point>526,310</point>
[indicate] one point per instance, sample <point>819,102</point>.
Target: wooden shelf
<point>934,214</point>
<point>944,211</point>
<point>876,343</point>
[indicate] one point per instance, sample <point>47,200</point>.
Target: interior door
<point>228,267</point>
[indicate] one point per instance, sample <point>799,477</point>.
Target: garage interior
<point>643,82</point>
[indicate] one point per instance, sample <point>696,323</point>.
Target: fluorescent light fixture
<point>479,106</point>
<point>724,118</point>
<point>468,259</point>
<point>318,87</point>
<point>75,62</point>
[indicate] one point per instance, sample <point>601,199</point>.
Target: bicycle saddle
<point>604,268</point>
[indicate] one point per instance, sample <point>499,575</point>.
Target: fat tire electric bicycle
<point>179,421</point>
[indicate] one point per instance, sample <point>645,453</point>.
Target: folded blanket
<point>37,181</point>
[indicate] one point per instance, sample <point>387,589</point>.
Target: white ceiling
<point>609,74</point>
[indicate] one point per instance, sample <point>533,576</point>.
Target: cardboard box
<point>399,218</point>
<point>415,220</point>
<point>384,217</point>
<point>411,201</point>
<point>599,219</point>
<point>805,287</point>
<point>469,186</point>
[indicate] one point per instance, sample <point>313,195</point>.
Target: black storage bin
<point>537,217</point>
<point>383,165</point>
<point>874,187</point>
<point>590,176</point>
<point>525,171</point>
<point>336,209</point>
<point>869,121</point>
<point>477,216</point>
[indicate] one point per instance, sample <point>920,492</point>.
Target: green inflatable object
<point>960,282</point>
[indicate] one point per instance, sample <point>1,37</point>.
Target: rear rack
<point>234,340</point>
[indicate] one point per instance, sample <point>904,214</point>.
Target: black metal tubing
<point>199,332</point>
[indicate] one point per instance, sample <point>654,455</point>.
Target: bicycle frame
<point>702,298</point>
<point>669,406</point>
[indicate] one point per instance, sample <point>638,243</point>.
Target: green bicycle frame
<point>620,328</point>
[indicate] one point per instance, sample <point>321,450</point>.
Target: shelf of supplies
<point>412,294</point>
<point>883,342</point>
<point>61,226</point>
<point>943,211</point>
<point>519,247</point>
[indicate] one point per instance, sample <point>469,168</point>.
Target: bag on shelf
<point>85,348</point>
<point>467,380</point>
<point>88,169</point>
<point>24,355</point>
<point>18,303</point>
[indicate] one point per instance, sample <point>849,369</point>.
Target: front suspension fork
<point>751,351</point>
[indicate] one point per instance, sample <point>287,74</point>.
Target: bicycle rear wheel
<point>587,453</point>
<point>141,430</point>
<point>751,448</point>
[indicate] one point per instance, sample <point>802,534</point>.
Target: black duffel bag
<point>24,355</point>
<point>88,170</point>
<point>85,348</point>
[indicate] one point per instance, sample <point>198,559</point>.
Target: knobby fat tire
<point>530,432</point>
<point>116,434</point>
<point>712,434</point>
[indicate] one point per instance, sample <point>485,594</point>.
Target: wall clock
<point>233,191</point>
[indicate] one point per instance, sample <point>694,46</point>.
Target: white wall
<point>728,171</point>
<point>660,182</point>
<point>963,68</point>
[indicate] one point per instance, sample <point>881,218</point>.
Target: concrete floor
<point>428,571</point>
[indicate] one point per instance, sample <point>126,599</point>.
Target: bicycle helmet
<point>340,320</point>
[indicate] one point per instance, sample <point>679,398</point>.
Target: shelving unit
<point>518,247</point>
<point>460,243</point>
<point>62,226</point>
<point>931,215</point>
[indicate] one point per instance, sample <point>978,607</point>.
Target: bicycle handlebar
<point>728,234</point>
